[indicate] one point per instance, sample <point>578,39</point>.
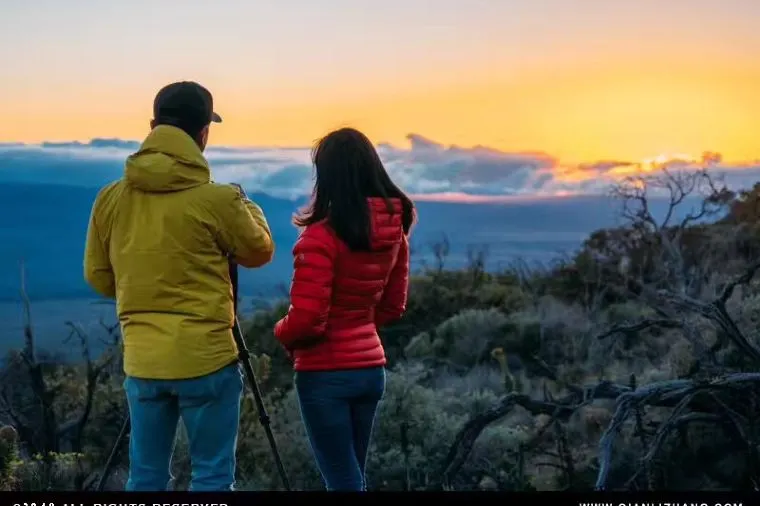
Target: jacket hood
<point>168,160</point>
<point>386,228</point>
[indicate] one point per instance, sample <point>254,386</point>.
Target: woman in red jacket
<point>351,275</point>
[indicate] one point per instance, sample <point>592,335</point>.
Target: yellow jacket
<point>157,241</point>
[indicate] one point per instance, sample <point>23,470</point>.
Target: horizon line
<point>438,198</point>
<point>119,143</point>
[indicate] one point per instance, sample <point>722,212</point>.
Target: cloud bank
<point>424,168</point>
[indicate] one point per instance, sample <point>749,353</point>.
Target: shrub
<point>464,339</point>
<point>9,458</point>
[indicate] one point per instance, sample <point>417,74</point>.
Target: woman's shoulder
<point>318,228</point>
<point>319,233</point>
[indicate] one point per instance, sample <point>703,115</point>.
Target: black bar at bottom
<point>501,498</point>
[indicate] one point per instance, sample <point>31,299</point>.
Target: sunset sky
<point>581,80</point>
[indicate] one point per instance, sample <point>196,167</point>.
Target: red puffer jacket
<point>341,296</point>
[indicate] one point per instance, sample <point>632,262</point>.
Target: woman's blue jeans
<point>210,409</point>
<point>338,409</point>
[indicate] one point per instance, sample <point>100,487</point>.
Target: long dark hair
<point>349,171</point>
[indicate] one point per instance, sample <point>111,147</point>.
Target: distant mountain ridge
<point>45,225</point>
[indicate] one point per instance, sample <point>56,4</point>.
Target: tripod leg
<point>245,360</point>
<point>244,356</point>
<point>114,451</point>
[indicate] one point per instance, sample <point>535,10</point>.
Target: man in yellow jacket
<point>158,241</point>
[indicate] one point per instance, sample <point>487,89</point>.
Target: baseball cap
<point>184,104</point>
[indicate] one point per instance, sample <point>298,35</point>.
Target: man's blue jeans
<point>210,409</point>
<point>338,409</point>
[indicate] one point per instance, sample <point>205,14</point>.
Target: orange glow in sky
<point>582,80</point>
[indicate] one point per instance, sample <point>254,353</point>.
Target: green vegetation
<point>629,365</point>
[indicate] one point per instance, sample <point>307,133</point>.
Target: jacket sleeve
<point>393,302</point>
<point>311,289</point>
<point>243,231</point>
<point>98,271</point>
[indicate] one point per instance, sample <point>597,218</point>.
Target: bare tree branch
<point>677,394</point>
<point>633,328</point>
<point>560,409</point>
<point>76,424</point>
<point>714,311</point>
<point>744,279</point>
<point>666,393</point>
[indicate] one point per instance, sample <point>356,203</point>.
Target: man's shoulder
<point>113,186</point>
<point>216,199</point>
<point>109,193</point>
<point>226,195</point>
<point>219,192</point>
